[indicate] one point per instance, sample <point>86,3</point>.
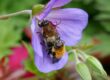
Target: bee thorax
<point>51,39</point>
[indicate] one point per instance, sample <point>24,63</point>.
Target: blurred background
<point>16,53</point>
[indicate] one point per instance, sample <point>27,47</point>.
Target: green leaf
<point>30,50</point>
<point>103,5</point>
<point>9,36</point>
<point>106,25</point>
<point>104,19</point>
<point>104,44</point>
<point>94,62</point>
<point>96,68</point>
<point>19,5</point>
<point>29,66</point>
<point>103,16</point>
<point>4,53</point>
<point>83,71</point>
<point>88,1</point>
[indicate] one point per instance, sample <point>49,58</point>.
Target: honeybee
<point>55,46</point>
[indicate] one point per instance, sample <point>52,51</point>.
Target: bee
<point>55,46</point>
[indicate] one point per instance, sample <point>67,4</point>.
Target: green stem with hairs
<point>16,13</point>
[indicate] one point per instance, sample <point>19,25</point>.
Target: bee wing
<point>72,23</point>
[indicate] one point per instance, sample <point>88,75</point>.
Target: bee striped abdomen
<point>59,52</point>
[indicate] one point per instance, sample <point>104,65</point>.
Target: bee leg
<point>38,32</point>
<point>54,60</point>
<point>49,51</point>
<point>41,43</point>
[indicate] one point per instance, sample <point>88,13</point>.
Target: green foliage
<point>103,5</point>
<point>11,29</point>
<point>30,50</point>
<point>83,71</point>
<point>16,5</point>
<point>104,46</point>
<point>96,68</point>
<point>9,36</point>
<point>88,67</point>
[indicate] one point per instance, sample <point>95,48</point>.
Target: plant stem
<point>83,54</point>
<point>16,13</point>
<point>76,57</point>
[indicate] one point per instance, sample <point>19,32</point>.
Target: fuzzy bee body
<point>55,46</point>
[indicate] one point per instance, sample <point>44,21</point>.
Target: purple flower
<point>72,22</point>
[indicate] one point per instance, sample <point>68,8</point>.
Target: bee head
<point>43,23</point>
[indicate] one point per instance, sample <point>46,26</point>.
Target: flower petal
<point>33,25</point>
<point>15,59</point>
<point>47,9</point>
<point>72,22</point>
<point>52,4</point>
<point>45,65</point>
<point>59,3</point>
<point>36,42</point>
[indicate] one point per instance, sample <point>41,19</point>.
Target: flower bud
<point>37,9</point>
<point>83,71</point>
<point>96,68</point>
